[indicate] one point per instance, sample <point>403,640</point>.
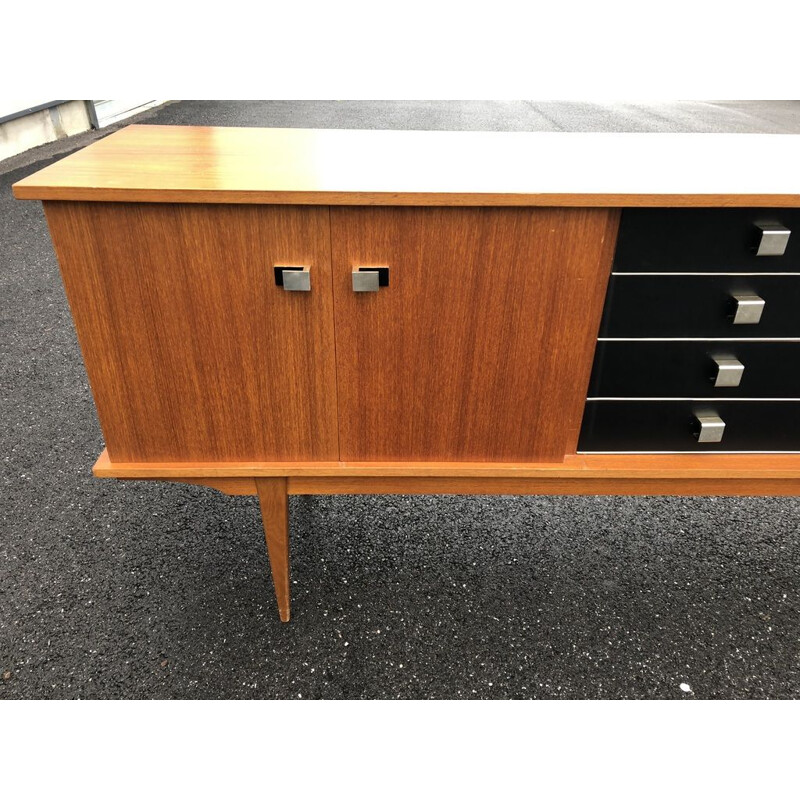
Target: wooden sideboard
<point>280,312</point>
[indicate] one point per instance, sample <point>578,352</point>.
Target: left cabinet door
<point>192,350</point>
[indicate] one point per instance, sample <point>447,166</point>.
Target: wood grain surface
<point>480,348</point>
<point>732,475</point>
<point>274,501</point>
<point>191,349</point>
<point>693,487</point>
<point>577,467</point>
<point>144,163</point>
<point>229,486</point>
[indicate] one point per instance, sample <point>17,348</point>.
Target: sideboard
<point>276,311</point>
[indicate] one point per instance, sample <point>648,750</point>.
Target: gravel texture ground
<point>154,590</point>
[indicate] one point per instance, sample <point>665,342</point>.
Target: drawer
<point>703,240</point>
<point>699,306</point>
<point>689,369</point>
<point>670,426</point>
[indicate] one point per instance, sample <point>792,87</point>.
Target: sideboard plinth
<point>729,475</point>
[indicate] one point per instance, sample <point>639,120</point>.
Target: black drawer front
<point>702,240</point>
<point>668,426</point>
<point>687,369</point>
<point>692,306</point>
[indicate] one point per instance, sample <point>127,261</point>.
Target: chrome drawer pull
<point>710,429</point>
<point>729,371</point>
<point>370,279</point>
<point>773,240</point>
<point>293,279</point>
<point>749,308</point>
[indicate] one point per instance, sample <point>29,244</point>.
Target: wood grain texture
<point>694,486</point>
<point>480,349</point>
<point>573,414</point>
<point>339,167</point>
<point>274,502</point>
<point>732,487</point>
<point>706,466</point>
<point>229,486</point>
<point>191,349</point>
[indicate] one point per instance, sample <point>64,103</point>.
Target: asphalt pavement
<point>112,589</point>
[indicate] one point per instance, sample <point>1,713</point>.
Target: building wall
<point>40,127</point>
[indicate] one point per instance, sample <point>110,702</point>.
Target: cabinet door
<point>480,347</point>
<point>192,351</point>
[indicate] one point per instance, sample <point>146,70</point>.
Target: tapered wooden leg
<point>274,500</point>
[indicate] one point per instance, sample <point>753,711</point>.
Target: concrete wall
<point>40,127</point>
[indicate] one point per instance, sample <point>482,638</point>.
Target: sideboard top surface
<point>179,164</point>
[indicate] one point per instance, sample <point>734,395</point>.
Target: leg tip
<point>284,614</point>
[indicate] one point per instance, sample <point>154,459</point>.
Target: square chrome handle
<point>748,309</point>
<point>708,427</point>
<point>370,279</point>
<point>293,279</point>
<point>729,371</point>
<point>773,239</point>
<point>365,281</point>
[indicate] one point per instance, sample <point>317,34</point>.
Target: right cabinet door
<point>480,346</point>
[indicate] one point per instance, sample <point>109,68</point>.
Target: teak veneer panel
<point>730,487</point>
<point>733,475</point>
<point>152,163</point>
<point>579,467</point>
<point>191,349</point>
<point>480,348</point>
<point>695,486</point>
